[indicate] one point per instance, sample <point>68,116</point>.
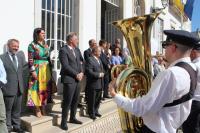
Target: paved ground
<point>109,124</point>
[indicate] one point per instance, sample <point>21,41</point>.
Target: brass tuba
<point>134,81</point>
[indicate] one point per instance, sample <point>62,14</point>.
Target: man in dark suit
<point>117,44</point>
<point>106,65</point>
<point>13,63</point>
<point>87,54</point>
<point>71,74</point>
<point>95,74</point>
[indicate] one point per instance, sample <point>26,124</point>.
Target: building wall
<point>127,13</point>
<point>87,22</point>
<point>127,9</point>
<point>19,18</point>
<point>170,19</point>
<point>17,21</point>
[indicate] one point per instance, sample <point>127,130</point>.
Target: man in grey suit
<point>13,64</point>
<point>71,74</point>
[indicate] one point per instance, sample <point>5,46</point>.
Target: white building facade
<point>89,18</point>
<point>172,17</point>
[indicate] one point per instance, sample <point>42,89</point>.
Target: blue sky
<point>196,15</point>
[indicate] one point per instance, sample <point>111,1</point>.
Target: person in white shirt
<point>157,68</point>
<point>169,85</point>
<point>192,124</point>
<point>3,81</point>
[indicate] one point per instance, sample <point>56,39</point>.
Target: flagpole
<point>182,13</point>
<point>181,20</point>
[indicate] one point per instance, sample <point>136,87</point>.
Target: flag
<point>179,5</point>
<point>188,8</point>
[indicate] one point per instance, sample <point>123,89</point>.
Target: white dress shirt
<point>169,85</point>
<point>2,73</point>
<point>197,91</point>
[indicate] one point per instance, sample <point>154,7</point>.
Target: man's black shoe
<point>80,105</point>
<point>75,121</point>
<point>102,98</point>
<point>63,126</point>
<point>98,115</point>
<point>92,117</point>
<point>18,130</point>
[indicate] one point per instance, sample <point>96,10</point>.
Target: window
<point>172,27</point>
<point>113,2</point>
<point>64,17</point>
<point>160,33</point>
<point>111,32</point>
<point>136,8</point>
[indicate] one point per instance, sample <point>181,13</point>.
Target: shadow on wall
<point>25,78</point>
<point>5,48</point>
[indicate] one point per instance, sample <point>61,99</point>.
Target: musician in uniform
<point>163,108</point>
<point>192,124</point>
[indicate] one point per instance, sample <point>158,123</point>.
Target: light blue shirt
<point>116,60</point>
<point>2,73</point>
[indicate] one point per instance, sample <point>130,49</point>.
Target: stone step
<point>53,129</point>
<point>73,128</point>
<point>33,124</point>
<point>58,101</point>
<point>108,123</point>
<point>107,108</point>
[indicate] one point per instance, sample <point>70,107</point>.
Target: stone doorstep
<point>74,127</point>
<point>53,129</point>
<point>88,124</point>
<point>32,123</point>
<point>86,121</point>
<point>59,96</point>
<point>105,107</point>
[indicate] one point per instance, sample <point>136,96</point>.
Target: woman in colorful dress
<point>40,73</point>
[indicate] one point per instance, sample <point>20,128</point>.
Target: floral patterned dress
<point>38,88</point>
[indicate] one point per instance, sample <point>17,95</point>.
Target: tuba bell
<point>134,81</point>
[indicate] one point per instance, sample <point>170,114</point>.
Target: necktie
<point>73,52</point>
<point>14,61</point>
<point>100,64</point>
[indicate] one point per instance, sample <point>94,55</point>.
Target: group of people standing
<point>96,65</point>
<point>163,109</point>
<point>13,65</point>
<point>158,64</point>
<point>99,60</point>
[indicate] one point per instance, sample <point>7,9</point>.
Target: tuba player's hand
<point>112,87</point>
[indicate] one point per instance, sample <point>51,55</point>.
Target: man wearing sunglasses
<point>167,104</point>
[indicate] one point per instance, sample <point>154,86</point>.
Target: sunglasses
<point>165,44</point>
